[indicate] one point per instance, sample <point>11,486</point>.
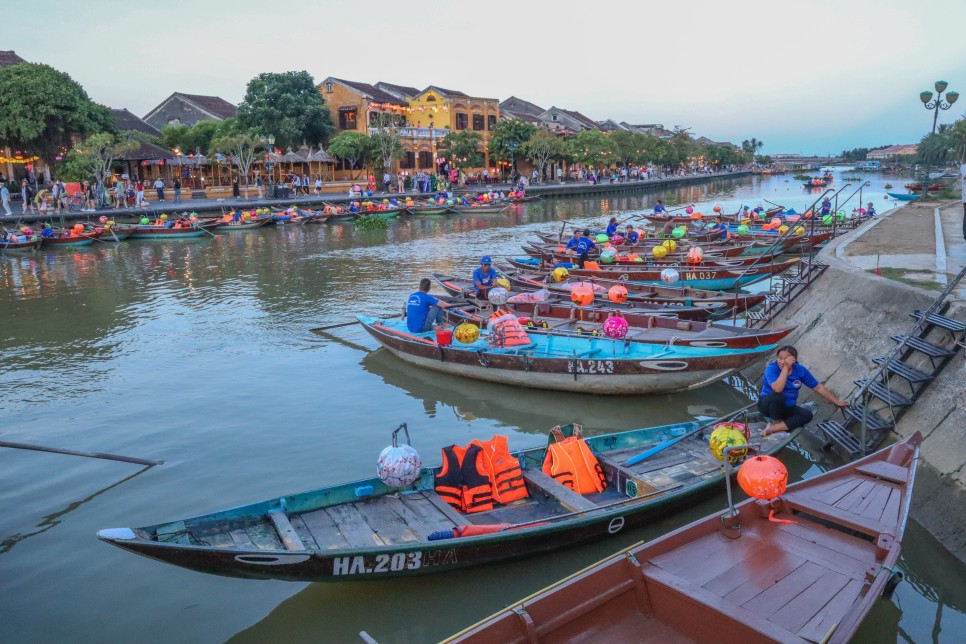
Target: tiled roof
<point>398,89</point>
<point>147,152</point>
<point>213,104</point>
<point>8,58</point>
<point>125,121</point>
<point>371,91</point>
<point>446,92</point>
<point>583,120</point>
<point>521,107</point>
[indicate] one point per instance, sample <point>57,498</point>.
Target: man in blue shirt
<point>659,207</point>
<point>584,245</point>
<point>483,278</point>
<point>632,236</point>
<point>612,227</point>
<point>423,311</point>
<point>573,241</point>
<point>782,381</point>
<point>720,228</point>
<point>826,207</point>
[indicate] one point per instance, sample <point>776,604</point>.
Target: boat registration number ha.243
<point>391,562</point>
<point>590,366</point>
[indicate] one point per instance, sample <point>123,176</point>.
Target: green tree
<point>386,142</point>
<point>351,147</point>
<point>288,106</point>
<point>464,147</point>
<point>94,156</point>
<point>591,148</point>
<point>43,110</point>
<point>543,146</point>
<point>631,147</point>
<point>508,138</point>
<point>242,147</point>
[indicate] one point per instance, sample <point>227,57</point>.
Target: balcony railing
<point>417,132</point>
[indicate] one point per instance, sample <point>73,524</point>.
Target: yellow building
<point>436,107</point>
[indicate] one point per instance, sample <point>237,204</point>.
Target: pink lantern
<point>775,222</point>
<point>617,239</point>
<point>689,210</point>
<point>695,255</point>
<point>615,327</point>
<point>793,218</point>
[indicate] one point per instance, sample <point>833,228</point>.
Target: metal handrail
<point>862,390</point>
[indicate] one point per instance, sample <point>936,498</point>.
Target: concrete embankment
<point>845,320</point>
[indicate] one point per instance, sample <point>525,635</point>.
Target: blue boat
<point>900,197</point>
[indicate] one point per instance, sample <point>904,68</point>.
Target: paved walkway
<point>215,205</point>
<point>919,243</point>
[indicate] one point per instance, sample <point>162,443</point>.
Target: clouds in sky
<point>814,76</point>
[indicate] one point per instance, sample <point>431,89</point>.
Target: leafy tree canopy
<point>93,158</point>
<point>544,146</point>
<point>509,135</point>
<point>352,147</point>
<point>464,148</point>
<point>188,138</point>
<point>287,106</point>
<point>42,110</point>
<point>591,148</point>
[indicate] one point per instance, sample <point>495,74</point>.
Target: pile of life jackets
<point>506,330</point>
<point>480,474</point>
<point>571,463</point>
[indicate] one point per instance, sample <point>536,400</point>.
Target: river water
<point>198,353</point>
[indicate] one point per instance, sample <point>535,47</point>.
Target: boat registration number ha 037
<point>590,366</point>
<point>701,275</point>
<point>390,562</point>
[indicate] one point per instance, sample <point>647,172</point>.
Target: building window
<point>347,119</point>
<point>461,121</point>
<point>490,122</point>
<point>328,88</point>
<point>425,160</point>
<point>430,99</point>
<point>477,122</point>
<point>407,162</point>
<point>554,117</point>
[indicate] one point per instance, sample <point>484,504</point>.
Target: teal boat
<point>160,232</point>
<point>901,197</point>
<point>366,530</point>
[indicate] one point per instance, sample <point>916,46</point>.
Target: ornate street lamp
<point>939,103</point>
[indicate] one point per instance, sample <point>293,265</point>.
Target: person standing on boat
<point>423,311</point>
<point>584,245</point>
<point>826,207</point>
<point>782,381</point>
<point>484,277</point>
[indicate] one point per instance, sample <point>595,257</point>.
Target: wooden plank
<point>324,530</point>
<point>875,503</point>
<point>650,466</point>
<point>303,532</point>
<point>263,535</point>
<point>832,614</point>
<point>827,547</point>
<point>854,498</point>
<point>703,559</point>
<point>384,522</point>
<point>885,471</point>
<point>570,499</point>
<point>792,585</point>
<point>832,492</point>
<point>806,605</point>
<point>173,533</point>
<point>421,524</point>
<point>218,538</point>
<point>890,513</point>
<point>353,526</point>
<point>742,581</point>
<point>836,515</point>
<point>242,540</point>
<point>445,508</point>
<point>286,531</point>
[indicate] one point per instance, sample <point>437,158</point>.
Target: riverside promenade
<point>209,205</point>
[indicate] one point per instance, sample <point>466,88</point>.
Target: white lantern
<point>669,276</point>
<point>399,465</point>
<point>499,295</point>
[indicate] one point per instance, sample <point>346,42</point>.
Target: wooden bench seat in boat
<point>567,497</point>
<point>286,531</point>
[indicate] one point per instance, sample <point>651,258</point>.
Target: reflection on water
<point>198,353</point>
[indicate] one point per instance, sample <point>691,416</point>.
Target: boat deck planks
<point>422,517</point>
<point>386,523</point>
<point>286,531</point>
<point>303,532</point>
<point>324,530</point>
<point>352,524</point>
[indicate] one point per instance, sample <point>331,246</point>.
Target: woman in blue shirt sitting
<point>612,227</point>
<point>779,393</point>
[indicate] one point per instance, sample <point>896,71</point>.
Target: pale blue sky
<point>812,76</point>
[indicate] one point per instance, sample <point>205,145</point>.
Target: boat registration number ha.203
<point>391,562</point>
<point>590,366</point>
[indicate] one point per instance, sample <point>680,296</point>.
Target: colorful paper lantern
<point>763,477</point>
<point>498,295</point>
<point>670,245</point>
<point>726,435</point>
<point>615,327</point>
<point>695,255</point>
<point>582,295</point>
<point>467,333</point>
<point>659,252</point>
<point>560,274</point>
<point>608,256</point>
<point>669,276</point>
<point>617,294</point>
<point>679,232</point>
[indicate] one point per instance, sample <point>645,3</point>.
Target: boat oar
<point>70,452</point>
<point>663,446</point>
<point>342,324</point>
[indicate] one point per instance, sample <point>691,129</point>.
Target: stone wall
<point>845,320</point>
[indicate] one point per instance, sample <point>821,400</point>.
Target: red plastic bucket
<point>444,337</point>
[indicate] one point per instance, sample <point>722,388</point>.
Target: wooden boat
<point>815,183</point>
<point>709,259</point>
<point>579,364</point>
<point>389,213</point>
<point>66,238</point>
<point>21,246</point>
<point>813,577</point>
<point>731,248</point>
<point>428,209</point>
<point>365,530</point>
<point>480,210</point>
<point>258,221</point>
<point>900,197</point>
<point>638,292</point>
<point>917,187</point>
<point>560,319</point>
<point>201,228</point>
<point>698,310</point>
<point>696,276</point>
<point>526,199</point>
<point>116,233</point>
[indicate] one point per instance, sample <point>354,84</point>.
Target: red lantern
<point>582,295</point>
<point>763,477</point>
<point>695,255</point>
<point>617,294</point>
<point>717,209</point>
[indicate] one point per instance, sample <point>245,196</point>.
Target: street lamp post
<point>939,103</point>
<point>511,147</point>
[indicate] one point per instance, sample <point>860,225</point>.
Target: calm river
<point>198,353</point>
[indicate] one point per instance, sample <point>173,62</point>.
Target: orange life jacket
<point>462,481</point>
<point>591,266</point>
<point>508,332</point>
<point>572,463</point>
<point>503,470</point>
